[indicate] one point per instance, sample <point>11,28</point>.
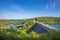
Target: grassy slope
<point>40,19</point>
<point>21,35</point>
<point>11,34</point>
<point>29,22</point>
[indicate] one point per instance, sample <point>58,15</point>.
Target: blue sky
<point>22,9</point>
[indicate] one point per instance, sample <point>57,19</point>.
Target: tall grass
<point>6,34</point>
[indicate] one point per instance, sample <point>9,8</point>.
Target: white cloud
<point>15,12</point>
<point>52,4</point>
<point>47,7</point>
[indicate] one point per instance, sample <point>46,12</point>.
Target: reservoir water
<point>56,25</point>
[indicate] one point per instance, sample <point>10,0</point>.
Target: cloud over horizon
<point>25,9</point>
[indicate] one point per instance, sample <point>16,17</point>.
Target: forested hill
<point>21,34</point>
<point>40,19</point>
<point>48,19</point>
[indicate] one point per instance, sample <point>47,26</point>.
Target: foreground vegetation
<point>21,34</point>
<point>11,34</point>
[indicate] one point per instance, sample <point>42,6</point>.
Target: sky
<point>23,9</point>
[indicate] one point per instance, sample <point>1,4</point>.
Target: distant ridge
<point>32,18</point>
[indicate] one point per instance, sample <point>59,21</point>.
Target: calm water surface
<point>56,25</point>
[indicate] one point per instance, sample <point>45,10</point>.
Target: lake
<point>15,26</point>
<point>56,25</point>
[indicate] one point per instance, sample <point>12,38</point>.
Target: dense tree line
<point>11,34</point>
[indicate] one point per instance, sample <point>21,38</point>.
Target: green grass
<point>11,34</point>
<point>8,34</point>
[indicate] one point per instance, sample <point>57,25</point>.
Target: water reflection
<point>56,25</point>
